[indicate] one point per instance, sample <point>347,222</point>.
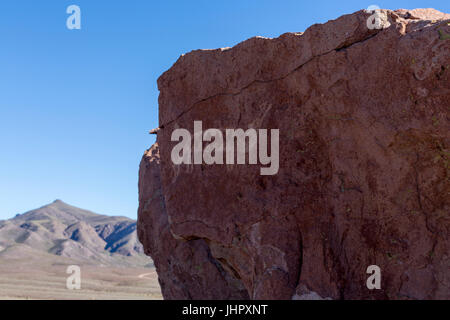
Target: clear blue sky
<point>76,106</point>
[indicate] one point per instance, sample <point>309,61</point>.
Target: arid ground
<point>46,279</point>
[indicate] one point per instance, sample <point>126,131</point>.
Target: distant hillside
<point>63,230</point>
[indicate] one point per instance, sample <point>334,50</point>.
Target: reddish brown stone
<point>181,264</point>
<point>364,166</point>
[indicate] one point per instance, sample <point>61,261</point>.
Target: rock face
<point>364,174</point>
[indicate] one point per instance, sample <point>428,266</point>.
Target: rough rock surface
<point>364,173</point>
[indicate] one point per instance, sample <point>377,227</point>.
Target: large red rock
<point>364,174</point>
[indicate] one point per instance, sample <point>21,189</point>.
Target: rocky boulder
<point>364,165</point>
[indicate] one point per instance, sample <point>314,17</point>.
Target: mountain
<point>63,230</point>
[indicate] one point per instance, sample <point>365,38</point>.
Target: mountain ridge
<point>64,230</point>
